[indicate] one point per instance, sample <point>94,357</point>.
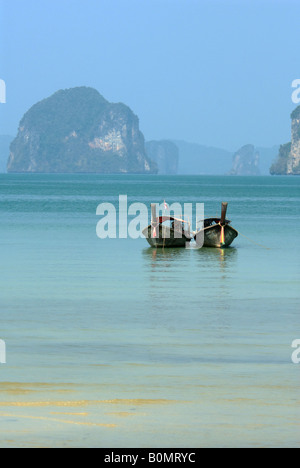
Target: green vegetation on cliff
<point>279,167</point>
<point>296,113</point>
<point>288,160</point>
<point>295,116</point>
<point>77,130</point>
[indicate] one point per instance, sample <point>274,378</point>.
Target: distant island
<point>195,158</point>
<point>246,161</point>
<point>206,160</point>
<point>78,131</point>
<point>288,160</point>
<point>165,154</point>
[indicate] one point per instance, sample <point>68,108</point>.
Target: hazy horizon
<point>208,72</point>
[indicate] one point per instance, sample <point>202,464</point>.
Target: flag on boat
<point>166,206</point>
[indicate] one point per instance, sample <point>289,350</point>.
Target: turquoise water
<point>112,344</point>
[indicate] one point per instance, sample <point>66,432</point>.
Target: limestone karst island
<point>79,131</point>
<point>288,161</point>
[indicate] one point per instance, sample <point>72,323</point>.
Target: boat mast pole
<point>153,213</point>
<point>153,220</point>
<point>223,213</point>
<point>222,223</point>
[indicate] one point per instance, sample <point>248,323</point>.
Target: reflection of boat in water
<point>163,255</point>
<point>216,232</point>
<point>220,257</point>
<point>167,231</point>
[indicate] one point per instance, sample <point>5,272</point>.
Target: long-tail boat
<point>216,232</point>
<point>174,233</point>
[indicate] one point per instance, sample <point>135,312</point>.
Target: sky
<point>217,73</point>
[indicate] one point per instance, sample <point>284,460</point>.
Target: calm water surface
<point>112,344</point>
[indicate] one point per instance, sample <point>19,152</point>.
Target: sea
<point>108,343</point>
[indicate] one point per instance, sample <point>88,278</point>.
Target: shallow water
<point>112,344</point>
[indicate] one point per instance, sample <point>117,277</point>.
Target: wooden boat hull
<point>167,237</point>
<point>216,232</point>
<point>212,236</point>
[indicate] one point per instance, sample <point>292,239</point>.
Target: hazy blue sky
<point>211,72</point>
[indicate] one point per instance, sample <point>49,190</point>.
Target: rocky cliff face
<point>5,141</point>
<point>165,154</point>
<point>77,130</point>
<point>293,165</point>
<point>246,161</point>
<point>279,167</point>
<point>288,160</point>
